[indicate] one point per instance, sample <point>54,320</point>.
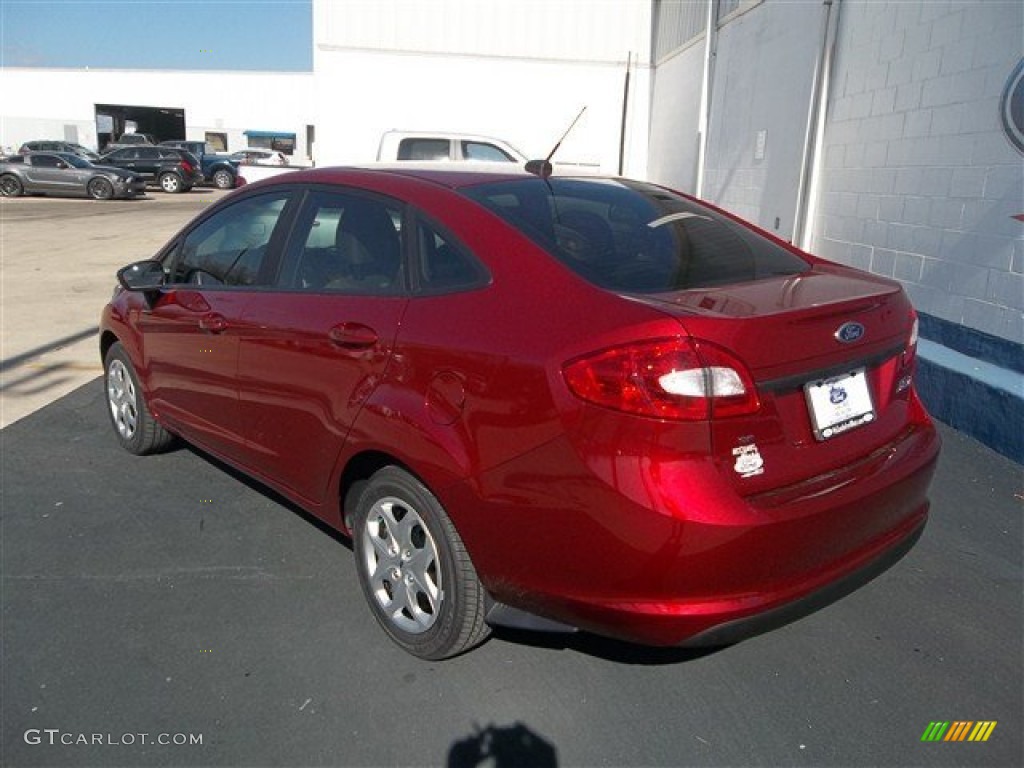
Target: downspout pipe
<point>704,118</point>
<point>811,159</point>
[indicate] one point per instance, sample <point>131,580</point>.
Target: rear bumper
<point>737,629</point>
<point>709,567</point>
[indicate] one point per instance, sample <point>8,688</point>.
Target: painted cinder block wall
<point>920,182</point>
<point>915,177</point>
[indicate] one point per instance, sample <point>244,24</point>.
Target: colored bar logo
<point>959,730</point>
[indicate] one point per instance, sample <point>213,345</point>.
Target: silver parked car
<point>64,173</point>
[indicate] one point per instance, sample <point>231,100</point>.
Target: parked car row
<point>173,165</point>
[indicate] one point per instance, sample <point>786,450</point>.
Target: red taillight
<point>680,379</point>
<point>905,374</point>
<point>187,166</point>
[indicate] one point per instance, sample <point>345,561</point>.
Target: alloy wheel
<point>401,562</point>
<point>122,399</point>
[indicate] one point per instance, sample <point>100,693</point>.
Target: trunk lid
<point>846,331</point>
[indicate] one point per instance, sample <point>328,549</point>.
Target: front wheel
<point>171,182</point>
<point>10,186</point>
<point>414,569</point>
<point>100,189</point>
<point>223,179</point>
<point>134,426</point>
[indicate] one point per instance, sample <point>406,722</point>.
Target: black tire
<point>10,186</point>
<point>134,426</point>
<point>100,189</point>
<point>171,182</point>
<point>223,179</point>
<point>414,569</point>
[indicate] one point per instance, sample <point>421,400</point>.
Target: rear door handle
<point>213,323</point>
<point>352,336</point>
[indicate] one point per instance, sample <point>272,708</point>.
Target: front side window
<point>230,247</point>
<point>348,243</point>
<point>484,152</point>
<point>45,161</point>
<point>633,237</point>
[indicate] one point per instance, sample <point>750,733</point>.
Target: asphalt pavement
<point>167,599</point>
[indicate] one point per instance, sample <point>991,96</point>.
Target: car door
<point>147,162</point>
<point>45,173</point>
<point>192,330</point>
<point>123,158</point>
<point>316,349</point>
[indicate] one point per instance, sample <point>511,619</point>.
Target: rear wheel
<point>134,426</point>
<point>171,182</point>
<point>10,186</point>
<point>100,189</point>
<point>414,569</point>
<point>223,179</point>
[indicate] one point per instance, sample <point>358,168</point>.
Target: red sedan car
<point>546,402</point>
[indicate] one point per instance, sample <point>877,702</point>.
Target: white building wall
<point>675,118</point>
<point>919,181</point>
<point>517,70</point>
<point>49,103</point>
<point>760,99</point>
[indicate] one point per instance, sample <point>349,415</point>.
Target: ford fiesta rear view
<point>554,403</point>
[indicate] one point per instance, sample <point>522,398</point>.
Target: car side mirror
<point>142,276</point>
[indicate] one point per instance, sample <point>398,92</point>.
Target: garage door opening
<point>114,120</point>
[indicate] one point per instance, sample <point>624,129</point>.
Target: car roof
<point>451,175</point>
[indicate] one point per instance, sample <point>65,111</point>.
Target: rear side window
<point>444,265</point>
<point>347,243</point>
<point>633,237</point>
<point>230,247</point>
<point>423,149</point>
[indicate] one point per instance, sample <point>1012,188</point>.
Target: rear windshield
<point>633,237</point>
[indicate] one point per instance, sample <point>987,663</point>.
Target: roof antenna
<point>543,167</point>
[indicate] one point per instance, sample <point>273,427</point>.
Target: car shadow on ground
<point>609,649</point>
<point>264,490</point>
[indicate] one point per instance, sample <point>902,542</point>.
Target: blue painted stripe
<point>1008,381</point>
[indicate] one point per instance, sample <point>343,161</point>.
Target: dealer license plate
<point>839,404</point>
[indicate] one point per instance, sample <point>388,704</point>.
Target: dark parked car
<point>47,145</point>
<point>64,173</point>
<point>560,403</point>
<point>174,170</point>
<point>218,169</point>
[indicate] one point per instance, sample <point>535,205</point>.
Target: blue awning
<point>269,135</point>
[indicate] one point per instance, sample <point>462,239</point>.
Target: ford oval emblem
<point>850,332</point>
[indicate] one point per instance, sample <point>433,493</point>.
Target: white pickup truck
<point>428,146</point>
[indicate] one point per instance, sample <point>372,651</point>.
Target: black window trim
<point>484,276</point>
